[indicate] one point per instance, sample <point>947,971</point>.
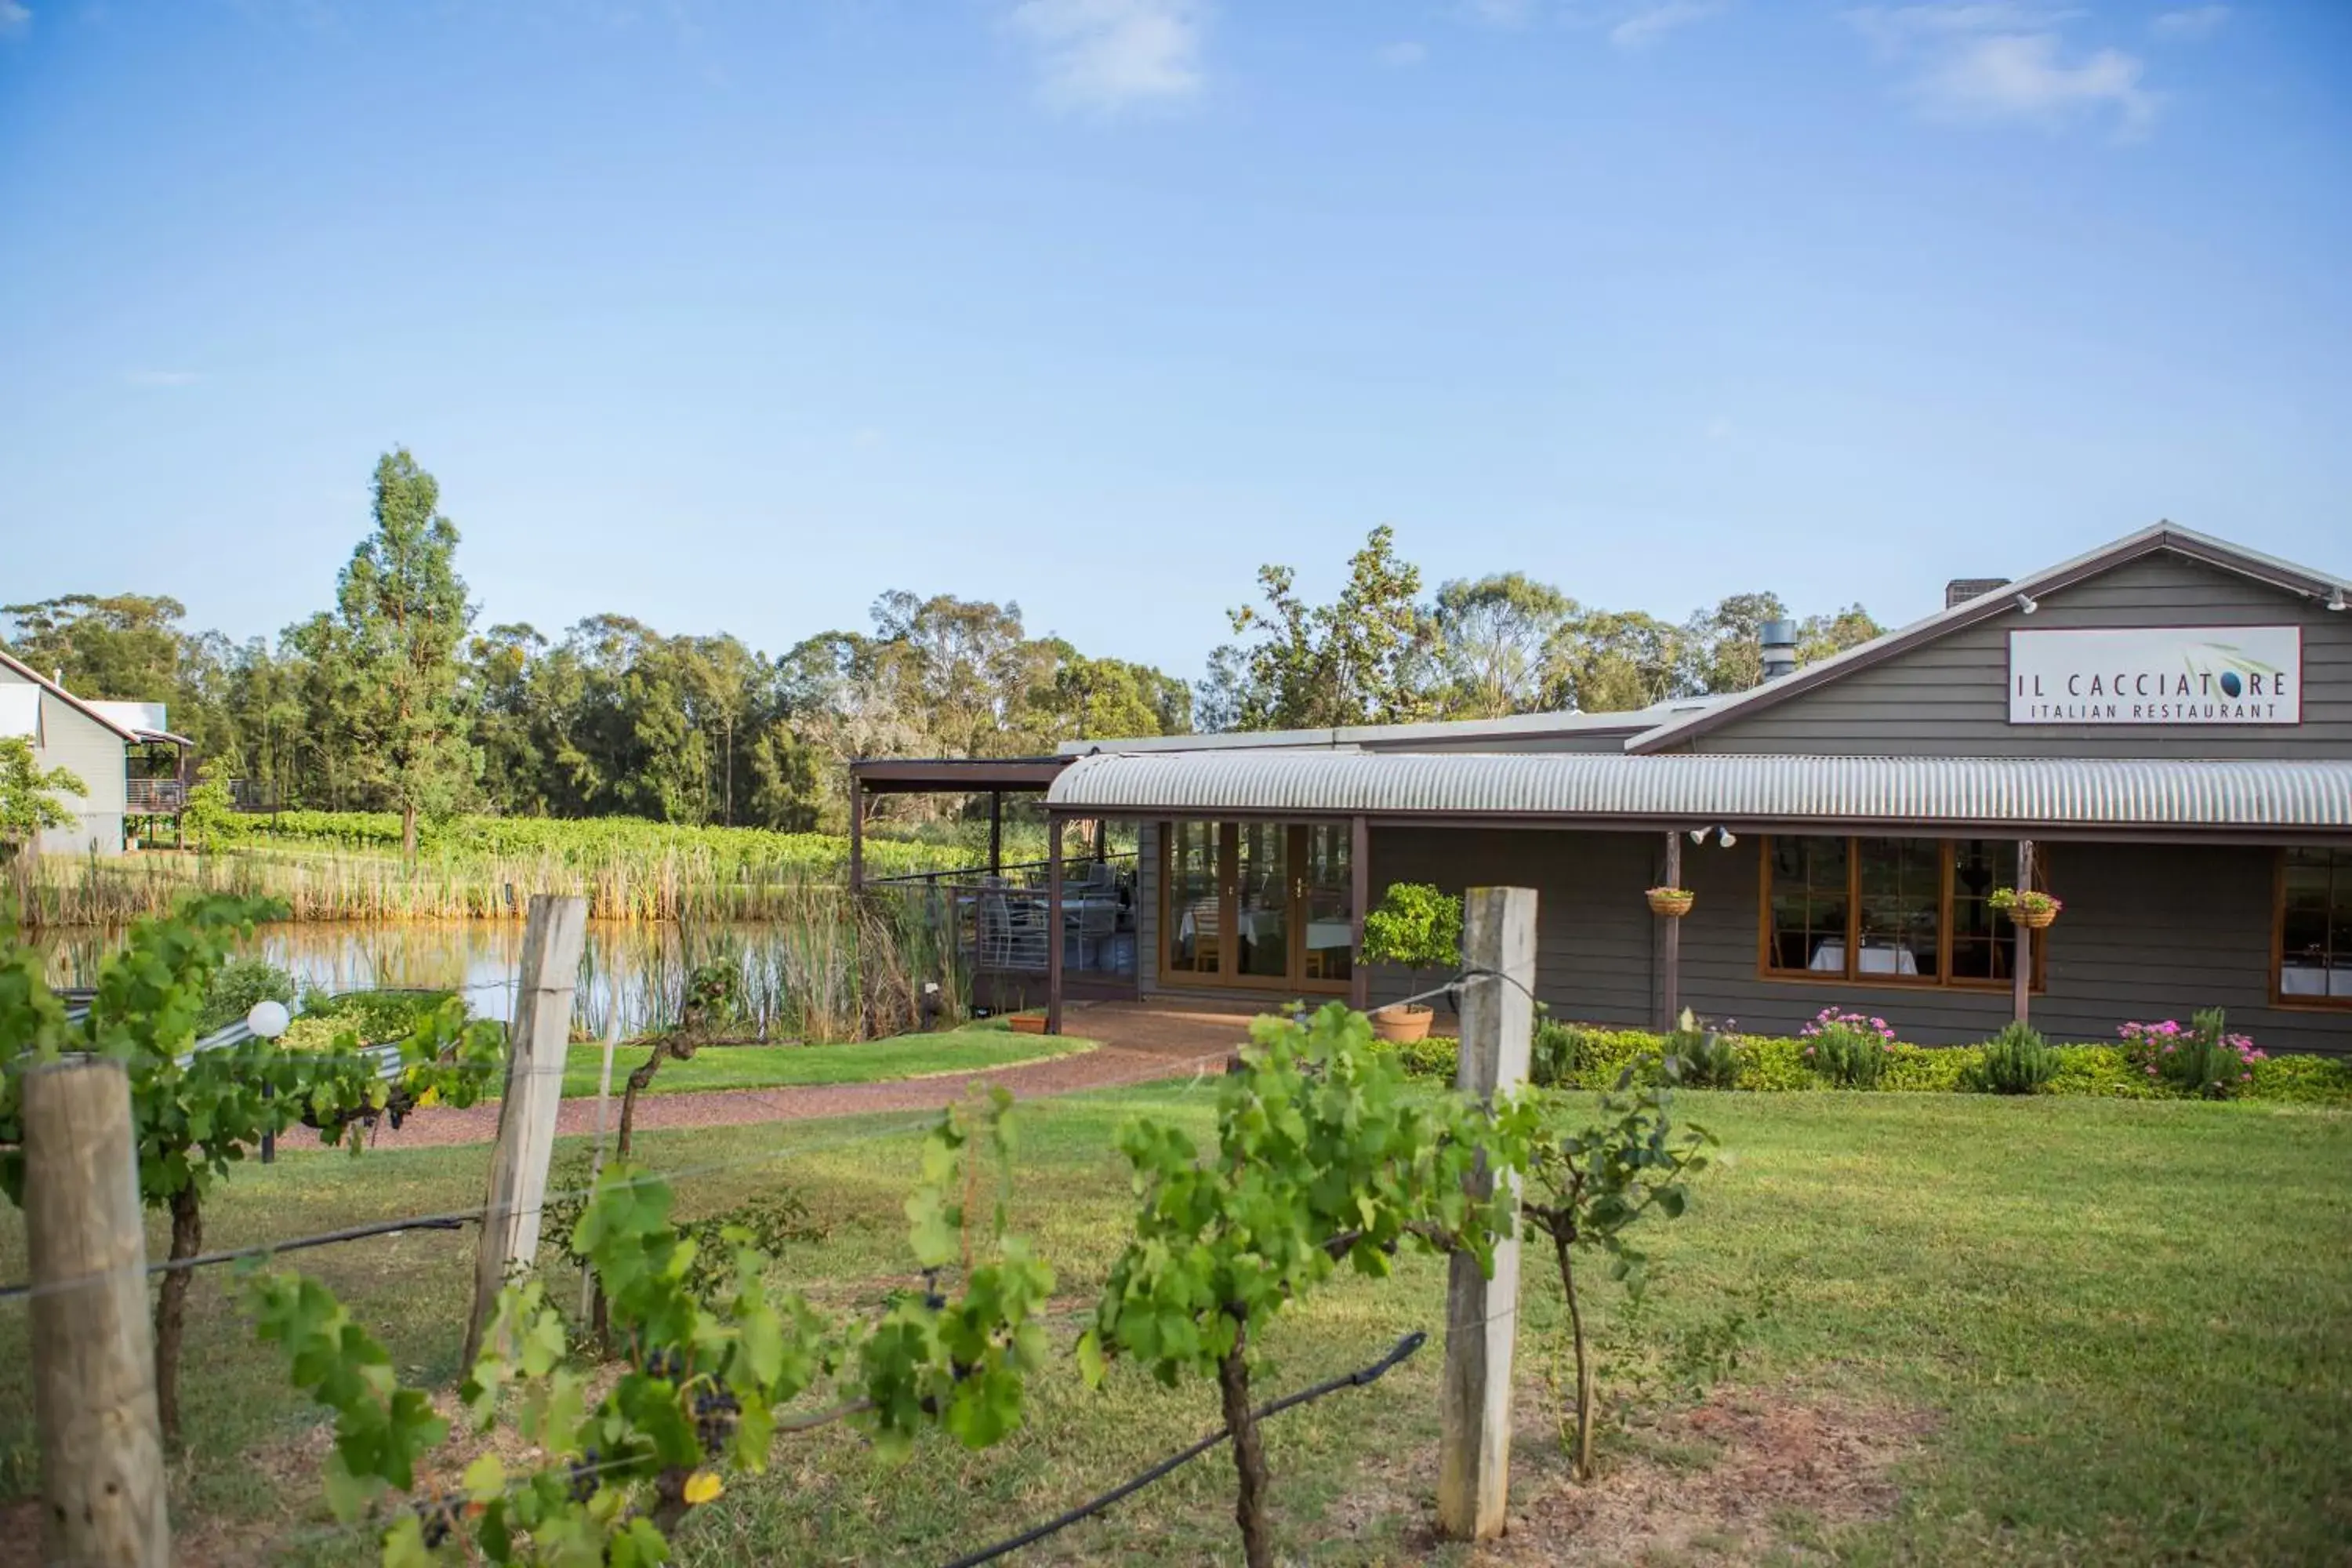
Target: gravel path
<point>1139,1045</point>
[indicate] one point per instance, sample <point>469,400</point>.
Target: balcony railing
<point>153,797</point>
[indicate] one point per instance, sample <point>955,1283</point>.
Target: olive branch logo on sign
<point>2167,677</point>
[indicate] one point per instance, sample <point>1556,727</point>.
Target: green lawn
<point>973,1047</point>
<point>2123,1332</point>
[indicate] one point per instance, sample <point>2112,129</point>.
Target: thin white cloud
<point>2190,23</point>
<point>1403,52</point>
<point>16,16</point>
<point>1500,12</point>
<point>1109,54</point>
<point>164,377</point>
<point>1999,63</point>
<point>1652,21</point>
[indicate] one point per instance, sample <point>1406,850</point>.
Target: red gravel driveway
<point>1141,1044</point>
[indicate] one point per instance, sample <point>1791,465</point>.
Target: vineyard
<point>346,866</point>
<point>911,1339</point>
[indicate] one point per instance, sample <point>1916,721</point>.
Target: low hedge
<point>1588,1057</point>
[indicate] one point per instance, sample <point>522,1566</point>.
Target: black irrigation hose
<point>1356,1379</point>
<point>324,1238</point>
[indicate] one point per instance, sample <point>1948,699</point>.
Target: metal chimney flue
<point>1780,641</point>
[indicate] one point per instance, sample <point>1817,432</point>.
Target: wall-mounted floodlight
<point>2027,603</point>
<point>2336,600</point>
<point>1726,838</point>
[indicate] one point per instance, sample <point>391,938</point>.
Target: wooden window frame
<point>1292,980</point>
<point>2279,996</point>
<point>1942,980</point>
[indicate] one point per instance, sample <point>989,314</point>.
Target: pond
<point>798,980</point>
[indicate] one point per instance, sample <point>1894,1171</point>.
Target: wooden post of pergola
<point>1360,894</point>
<point>1672,988</point>
<point>2021,959</point>
<point>996,832</point>
<point>1053,923</point>
<point>856,832</point>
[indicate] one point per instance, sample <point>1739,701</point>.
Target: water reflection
<point>635,970</point>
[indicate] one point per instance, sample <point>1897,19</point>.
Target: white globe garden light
<point>269,1019</point>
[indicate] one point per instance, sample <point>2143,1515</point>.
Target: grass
<point>2126,1322</point>
<point>974,1048</point>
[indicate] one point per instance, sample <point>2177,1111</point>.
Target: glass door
<point>1193,918</point>
<point>1258,904</point>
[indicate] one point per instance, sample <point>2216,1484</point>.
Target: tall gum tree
<point>402,612</point>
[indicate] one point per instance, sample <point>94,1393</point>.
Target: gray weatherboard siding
<point>1950,697</point>
<point>2150,931</point>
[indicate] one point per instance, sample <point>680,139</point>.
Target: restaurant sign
<point>2161,676</point>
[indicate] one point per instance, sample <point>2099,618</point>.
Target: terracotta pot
<point>1673,906</point>
<point>2034,919</point>
<point>1027,1023</point>
<point>1402,1026</point>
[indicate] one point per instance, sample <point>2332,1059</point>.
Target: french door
<point>1258,904</point>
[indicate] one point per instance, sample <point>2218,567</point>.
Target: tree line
<point>394,698</point>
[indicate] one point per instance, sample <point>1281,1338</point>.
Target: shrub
<point>1848,1050</point>
<point>2102,1071</point>
<point>238,985</point>
<point>1436,1057</point>
<point>375,1016</point>
<point>1774,1066</point>
<point>1416,926</point>
<point>2014,1061</point>
<point>2203,1060</point>
<point>1927,1069</point>
<point>1704,1057</point>
<point>2302,1080</point>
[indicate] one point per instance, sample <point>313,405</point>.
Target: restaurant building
<point>2158,733</point>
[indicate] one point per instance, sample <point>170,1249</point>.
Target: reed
<point>706,874</point>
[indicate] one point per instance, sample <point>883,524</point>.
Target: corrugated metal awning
<point>1940,791</point>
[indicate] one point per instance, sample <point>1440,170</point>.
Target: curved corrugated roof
<point>2046,791</point>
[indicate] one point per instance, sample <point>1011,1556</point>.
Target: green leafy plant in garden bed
<point>2203,1060</point>
<point>1590,1057</point>
<point>1848,1050</point>
<point>2015,1061</point>
<point>237,987</point>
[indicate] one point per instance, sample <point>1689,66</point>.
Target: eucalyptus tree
<point>1493,629</point>
<point>389,650</point>
<point>1362,658</point>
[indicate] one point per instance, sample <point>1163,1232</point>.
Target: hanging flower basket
<point>2035,912</point>
<point>1672,902</point>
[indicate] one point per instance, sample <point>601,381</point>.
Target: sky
<point>732,316</point>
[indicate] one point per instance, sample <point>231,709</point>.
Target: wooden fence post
<point>1473,1470</point>
<point>2021,954</point>
<point>536,1041</point>
<point>93,1361</point>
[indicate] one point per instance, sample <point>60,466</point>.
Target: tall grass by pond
<point>346,866</point>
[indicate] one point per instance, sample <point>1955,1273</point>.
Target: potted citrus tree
<point>1420,928</point>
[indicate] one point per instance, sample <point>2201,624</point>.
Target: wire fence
<point>1404,1348</point>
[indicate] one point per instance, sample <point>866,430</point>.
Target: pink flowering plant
<point>2202,1058</point>
<point>1848,1050</point>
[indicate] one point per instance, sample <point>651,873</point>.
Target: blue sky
<point>735,315</point>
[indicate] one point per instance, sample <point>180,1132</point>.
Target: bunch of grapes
<point>714,1413</point>
<point>664,1362</point>
<point>439,1514</point>
<point>583,1476</point>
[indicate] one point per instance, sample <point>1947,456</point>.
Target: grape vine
<point>706,1371</point>
<point>194,1119</point>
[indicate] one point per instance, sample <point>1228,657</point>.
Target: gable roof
<point>2162,536</point>
<point>62,695</point>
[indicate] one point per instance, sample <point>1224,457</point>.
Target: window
<point>1903,912</point>
<point>2316,927</point>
